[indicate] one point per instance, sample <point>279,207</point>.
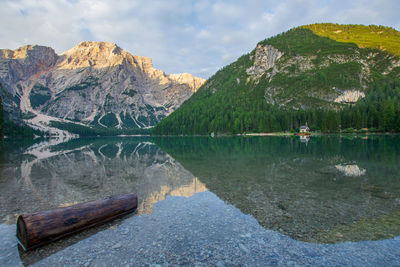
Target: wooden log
<point>40,228</point>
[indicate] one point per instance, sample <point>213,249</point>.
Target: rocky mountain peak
<point>25,62</point>
<point>27,51</point>
<point>102,55</point>
<point>95,48</point>
<point>187,78</point>
<point>94,83</point>
<point>41,57</point>
<point>100,45</point>
<point>19,53</point>
<point>92,54</point>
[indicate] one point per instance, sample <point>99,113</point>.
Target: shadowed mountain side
<point>304,191</point>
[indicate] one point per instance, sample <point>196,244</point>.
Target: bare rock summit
<point>94,83</point>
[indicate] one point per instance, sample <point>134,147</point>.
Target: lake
<point>226,201</point>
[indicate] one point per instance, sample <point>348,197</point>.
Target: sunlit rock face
<point>52,175</point>
<point>93,83</point>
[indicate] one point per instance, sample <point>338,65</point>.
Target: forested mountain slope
<point>330,76</point>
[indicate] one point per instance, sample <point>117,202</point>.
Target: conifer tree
<point>1,119</point>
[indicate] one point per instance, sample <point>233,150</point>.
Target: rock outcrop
<point>95,83</point>
<point>265,59</point>
<point>350,96</point>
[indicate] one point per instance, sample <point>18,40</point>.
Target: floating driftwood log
<point>40,228</point>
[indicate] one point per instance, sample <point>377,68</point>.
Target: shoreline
<point>268,134</point>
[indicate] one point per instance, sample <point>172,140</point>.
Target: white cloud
<point>180,35</point>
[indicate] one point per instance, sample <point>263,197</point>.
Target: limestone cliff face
<point>94,83</point>
<point>265,59</point>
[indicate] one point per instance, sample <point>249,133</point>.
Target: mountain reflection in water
<point>54,174</point>
<point>331,189</point>
<point>327,190</point>
<point>49,175</point>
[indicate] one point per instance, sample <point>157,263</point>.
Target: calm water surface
<point>322,190</point>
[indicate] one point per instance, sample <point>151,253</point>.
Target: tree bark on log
<point>40,228</point>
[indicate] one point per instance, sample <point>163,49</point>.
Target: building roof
<point>304,127</point>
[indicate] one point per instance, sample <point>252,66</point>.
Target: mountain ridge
<point>93,83</point>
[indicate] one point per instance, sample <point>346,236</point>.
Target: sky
<point>197,37</point>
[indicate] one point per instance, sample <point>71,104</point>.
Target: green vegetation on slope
<point>299,41</point>
<point>380,109</point>
<point>12,129</point>
<point>233,102</point>
<point>372,36</point>
<point>109,120</point>
<point>39,95</point>
<point>38,99</point>
<point>344,76</point>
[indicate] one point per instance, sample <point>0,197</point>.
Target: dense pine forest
<point>379,112</point>
<point>11,129</point>
<point>1,119</point>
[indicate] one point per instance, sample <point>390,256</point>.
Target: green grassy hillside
<point>372,36</point>
<point>300,86</point>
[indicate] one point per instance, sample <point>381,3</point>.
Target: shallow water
<point>327,190</point>
<point>322,190</point>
